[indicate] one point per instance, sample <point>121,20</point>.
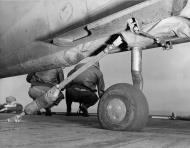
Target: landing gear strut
<point>136,67</point>
<point>123,106</point>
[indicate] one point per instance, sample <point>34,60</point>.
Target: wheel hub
<point>116,110</point>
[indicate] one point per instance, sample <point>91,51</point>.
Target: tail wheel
<point>123,107</point>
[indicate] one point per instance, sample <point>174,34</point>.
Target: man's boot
<point>48,112</point>
<point>84,110</point>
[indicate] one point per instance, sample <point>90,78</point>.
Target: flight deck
<point>60,131</point>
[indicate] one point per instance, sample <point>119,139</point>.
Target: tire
<point>123,107</point>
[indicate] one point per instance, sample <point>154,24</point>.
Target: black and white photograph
<point>95,73</point>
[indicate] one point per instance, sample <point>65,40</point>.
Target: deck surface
<point>60,131</point>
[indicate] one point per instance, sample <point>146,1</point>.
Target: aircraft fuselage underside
<point>27,33</point>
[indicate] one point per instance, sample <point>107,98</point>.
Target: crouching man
<point>42,81</point>
<point>83,88</point>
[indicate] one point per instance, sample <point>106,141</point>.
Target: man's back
<point>49,76</point>
<point>90,78</point>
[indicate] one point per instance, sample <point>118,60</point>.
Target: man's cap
<point>10,99</point>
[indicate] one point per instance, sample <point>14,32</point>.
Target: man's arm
<point>60,74</point>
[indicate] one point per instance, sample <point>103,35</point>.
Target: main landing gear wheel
<point>123,107</point>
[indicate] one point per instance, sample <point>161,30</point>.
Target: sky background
<point>166,80</point>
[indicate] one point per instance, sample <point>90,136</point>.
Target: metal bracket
<point>135,28</point>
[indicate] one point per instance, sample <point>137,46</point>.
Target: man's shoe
<point>84,110</point>
<point>48,112</point>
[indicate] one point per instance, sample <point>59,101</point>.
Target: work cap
<point>10,99</point>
